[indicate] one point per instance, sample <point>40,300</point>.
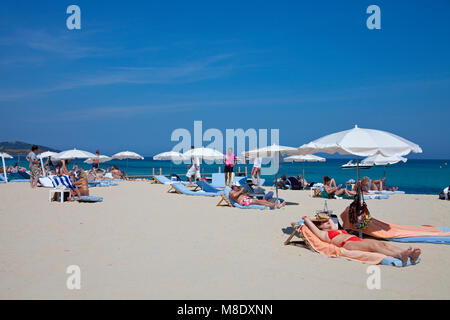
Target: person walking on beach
<point>230,161</point>
<point>33,166</point>
<point>256,171</point>
<point>193,169</point>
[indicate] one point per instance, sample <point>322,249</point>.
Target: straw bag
<point>358,212</point>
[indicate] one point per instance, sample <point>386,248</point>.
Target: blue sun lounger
<point>182,189</point>
<point>164,180</point>
<point>207,187</point>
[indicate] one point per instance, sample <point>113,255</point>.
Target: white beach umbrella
<point>204,153</point>
<point>47,154</point>
<point>101,158</point>
<point>74,154</point>
<point>274,151</point>
<point>8,156</point>
<point>127,155</point>
<point>43,155</point>
<point>380,160</point>
<point>170,156</point>
<point>361,142</point>
<point>268,152</point>
<point>304,158</point>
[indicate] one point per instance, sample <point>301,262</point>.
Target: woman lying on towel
<point>239,195</point>
<point>328,232</point>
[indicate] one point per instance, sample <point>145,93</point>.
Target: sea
<point>414,177</point>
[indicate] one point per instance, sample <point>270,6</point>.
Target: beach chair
<point>227,202</point>
<point>182,189</point>
<point>252,192</point>
<point>205,186</point>
<point>159,179</point>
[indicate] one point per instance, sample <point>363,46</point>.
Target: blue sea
<point>414,176</point>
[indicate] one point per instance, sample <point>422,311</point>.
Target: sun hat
<point>235,184</point>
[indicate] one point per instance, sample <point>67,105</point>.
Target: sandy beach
<point>144,243</point>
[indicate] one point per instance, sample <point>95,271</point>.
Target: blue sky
<point>138,70</point>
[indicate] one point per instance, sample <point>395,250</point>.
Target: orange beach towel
<point>331,250</point>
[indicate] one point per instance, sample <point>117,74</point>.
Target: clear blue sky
<point>139,69</point>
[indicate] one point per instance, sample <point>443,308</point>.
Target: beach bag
<point>445,194</point>
<point>317,193</point>
<point>359,215</point>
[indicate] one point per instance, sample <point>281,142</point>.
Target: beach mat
<point>403,233</point>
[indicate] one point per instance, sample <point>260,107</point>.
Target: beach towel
<point>403,233</point>
<point>88,199</point>
<point>62,180</point>
<point>331,250</point>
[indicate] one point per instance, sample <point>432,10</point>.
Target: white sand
<point>144,243</point>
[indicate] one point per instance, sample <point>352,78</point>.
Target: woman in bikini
<point>328,232</point>
<point>239,195</point>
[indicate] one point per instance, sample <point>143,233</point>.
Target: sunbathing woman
<point>333,190</point>
<point>328,232</point>
<point>239,195</point>
<point>82,183</point>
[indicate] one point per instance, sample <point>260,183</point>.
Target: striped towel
<point>63,180</point>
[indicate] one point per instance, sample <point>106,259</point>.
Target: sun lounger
<point>182,189</point>
<point>386,192</point>
<point>164,180</point>
<point>225,199</point>
<point>312,242</point>
<point>207,187</point>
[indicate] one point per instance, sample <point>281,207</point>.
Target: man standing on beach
<point>34,166</point>
<point>257,162</point>
<point>194,169</point>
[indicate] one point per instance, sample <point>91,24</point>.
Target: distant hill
<point>20,147</point>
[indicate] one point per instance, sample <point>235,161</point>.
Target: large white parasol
<point>8,156</point>
<point>380,160</point>
<point>74,154</point>
<point>204,153</point>
<point>101,158</point>
<point>361,142</point>
<point>304,158</point>
<point>274,151</point>
<point>170,156</point>
<point>43,155</point>
<point>127,155</point>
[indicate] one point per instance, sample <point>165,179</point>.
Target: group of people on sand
<point>79,178</point>
<point>329,232</point>
<point>367,185</point>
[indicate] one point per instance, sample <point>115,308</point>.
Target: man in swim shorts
<point>194,169</point>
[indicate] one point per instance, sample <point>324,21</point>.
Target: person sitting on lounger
<point>241,196</point>
<point>82,182</point>
<point>283,182</point>
<point>303,181</point>
<point>332,190</point>
<point>327,231</point>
